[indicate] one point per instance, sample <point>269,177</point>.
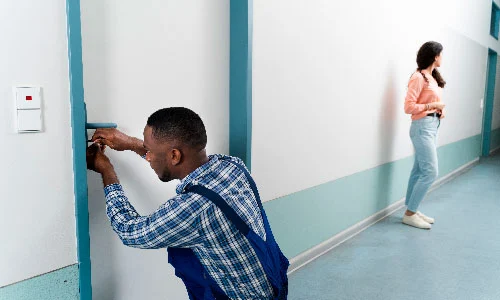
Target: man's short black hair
<point>180,124</point>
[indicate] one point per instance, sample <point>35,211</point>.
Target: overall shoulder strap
<point>228,210</point>
<point>222,205</point>
<point>250,181</point>
<point>267,227</point>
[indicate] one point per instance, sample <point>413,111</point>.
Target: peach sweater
<point>420,93</point>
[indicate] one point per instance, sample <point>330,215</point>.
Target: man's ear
<point>175,156</point>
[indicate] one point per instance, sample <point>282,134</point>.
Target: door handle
<point>95,125</point>
<point>99,125</point>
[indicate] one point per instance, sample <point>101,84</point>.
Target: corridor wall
<point>330,143</point>
<point>37,204</point>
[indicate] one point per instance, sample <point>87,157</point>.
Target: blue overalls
<point>199,284</point>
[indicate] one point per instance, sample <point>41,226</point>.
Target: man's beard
<point>165,176</point>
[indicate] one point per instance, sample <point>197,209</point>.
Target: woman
<point>423,102</point>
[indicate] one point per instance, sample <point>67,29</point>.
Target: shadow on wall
<point>388,120</point>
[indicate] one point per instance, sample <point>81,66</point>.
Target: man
<point>215,229</point>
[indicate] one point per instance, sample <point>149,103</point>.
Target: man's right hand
<point>117,140</point>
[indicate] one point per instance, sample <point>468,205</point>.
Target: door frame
<point>79,143</point>
<point>489,97</point>
<point>240,79</point>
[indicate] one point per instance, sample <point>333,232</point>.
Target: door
<point>139,58</point>
<point>488,102</point>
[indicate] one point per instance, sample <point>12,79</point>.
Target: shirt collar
<point>212,159</point>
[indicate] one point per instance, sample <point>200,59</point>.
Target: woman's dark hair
<point>426,56</point>
<point>181,124</point>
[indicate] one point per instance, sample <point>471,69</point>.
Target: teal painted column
<point>240,80</point>
<point>488,106</point>
<point>78,120</point>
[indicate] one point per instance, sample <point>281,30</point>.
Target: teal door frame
<point>79,133</point>
<point>488,102</point>
<point>240,80</point>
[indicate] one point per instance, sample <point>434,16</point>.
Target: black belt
<point>434,114</point>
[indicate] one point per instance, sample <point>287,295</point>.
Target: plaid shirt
<point>191,221</point>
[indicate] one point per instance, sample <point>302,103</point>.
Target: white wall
<point>138,58</point>
<point>330,77</point>
<point>470,18</point>
<point>36,170</point>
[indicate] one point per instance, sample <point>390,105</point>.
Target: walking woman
<point>423,102</point>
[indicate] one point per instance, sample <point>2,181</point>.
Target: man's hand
<point>117,140</point>
<point>97,161</point>
<point>112,138</point>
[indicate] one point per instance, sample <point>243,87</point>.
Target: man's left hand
<point>96,159</point>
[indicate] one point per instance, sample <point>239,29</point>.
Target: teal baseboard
<point>60,284</point>
<point>495,139</point>
<point>309,217</point>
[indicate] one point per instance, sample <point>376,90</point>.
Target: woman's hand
<point>437,105</point>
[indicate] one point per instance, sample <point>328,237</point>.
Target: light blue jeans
<point>423,134</point>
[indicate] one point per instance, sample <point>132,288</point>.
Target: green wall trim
<point>61,284</point>
<point>309,217</point>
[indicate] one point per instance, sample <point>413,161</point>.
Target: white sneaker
<point>416,221</point>
<point>425,218</point>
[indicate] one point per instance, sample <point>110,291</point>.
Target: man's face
<point>158,155</point>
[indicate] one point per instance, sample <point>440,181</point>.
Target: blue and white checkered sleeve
<point>173,224</point>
